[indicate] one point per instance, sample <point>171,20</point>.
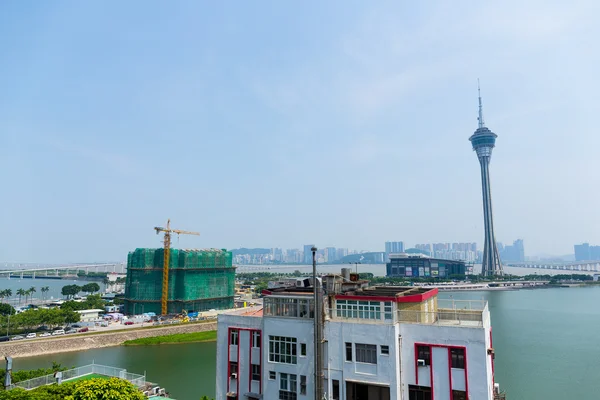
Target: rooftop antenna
<point>480,118</point>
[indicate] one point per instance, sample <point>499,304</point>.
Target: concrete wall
<point>36,347</point>
<point>476,340</point>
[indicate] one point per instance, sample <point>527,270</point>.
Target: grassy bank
<point>206,336</point>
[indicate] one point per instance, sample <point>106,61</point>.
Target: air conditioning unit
<point>421,362</point>
<point>234,375</point>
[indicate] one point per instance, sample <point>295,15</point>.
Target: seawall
<point>37,347</point>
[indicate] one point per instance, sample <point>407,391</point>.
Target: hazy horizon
<point>274,124</point>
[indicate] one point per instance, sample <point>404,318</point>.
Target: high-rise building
<point>394,247</point>
<point>484,141</point>
<point>308,253</point>
<point>582,252</point>
<point>330,254</point>
<point>585,252</point>
<point>512,253</point>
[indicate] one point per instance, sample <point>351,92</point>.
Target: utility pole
<point>317,327</point>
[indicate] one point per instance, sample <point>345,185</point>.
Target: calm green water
<point>546,342</point>
<point>187,371</point>
<point>546,348</point>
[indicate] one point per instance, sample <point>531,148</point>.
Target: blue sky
<point>261,124</point>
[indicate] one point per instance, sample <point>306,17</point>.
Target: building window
<point>335,384</point>
<point>255,339</point>
<point>272,375</point>
<point>288,307</point>
<point>256,372</point>
<point>302,384</point>
<point>234,336</point>
<point>424,353</point>
<point>387,311</point>
<point>385,350</point>
<point>419,392</point>
<point>233,367</point>
<point>287,386</point>
<point>282,349</point>
<point>459,395</point>
<point>348,351</point>
<point>358,309</point>
<point>458,358</point>
<point>303,349</point>
<point>366,353</point>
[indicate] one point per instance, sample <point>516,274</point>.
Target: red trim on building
<point>450,373</point>
<point>239,368</point>
<point>229,330</point>
<point>250,331</point>
<point>466,369</point>
<point>266,292</point>
<point>262,343</point>
<point>415,298</point>
<point>431,371</point>
<point>448,348</point>
<point>416,365</point>
<point>250,369</point>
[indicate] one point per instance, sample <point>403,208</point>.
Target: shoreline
<point>95,340</point>
<point>178,338</point>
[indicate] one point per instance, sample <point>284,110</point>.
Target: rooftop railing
<point>137,380</point>
<point>449,312</point>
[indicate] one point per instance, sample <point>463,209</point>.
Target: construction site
<point>172,281</point>
<point>198,280</point>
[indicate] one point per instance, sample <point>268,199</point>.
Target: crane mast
<point>167,243</point>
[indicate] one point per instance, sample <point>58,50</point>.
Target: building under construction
<point>199,280</point>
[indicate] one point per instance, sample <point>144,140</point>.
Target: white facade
<point>368,352</point>
<point>89,315</point>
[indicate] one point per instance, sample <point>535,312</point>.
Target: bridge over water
<point>55,271</point>
<point>577,266</point>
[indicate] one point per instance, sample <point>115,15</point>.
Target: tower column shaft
<point>491,260</point>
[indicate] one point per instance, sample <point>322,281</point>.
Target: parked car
<point>84,329</point>
<point>45,334</point>
<point>58,332</point>
<point>75,326</point>
<point>31,336</point>
<point>18,337</point>
<point>128,323</point>
<point>4,338</point>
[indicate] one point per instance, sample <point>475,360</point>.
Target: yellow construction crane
<point>165,280</point>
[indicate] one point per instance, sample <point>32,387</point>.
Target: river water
<point>545,340</point>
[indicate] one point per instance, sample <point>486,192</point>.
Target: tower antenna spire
<point>480,118</point>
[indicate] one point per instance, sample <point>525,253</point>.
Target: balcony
<point>471,313</point>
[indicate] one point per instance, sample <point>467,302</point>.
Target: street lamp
<point>8,325</point>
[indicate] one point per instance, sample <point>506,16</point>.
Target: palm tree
<point>32,291</point>
<point>45,289</point>
<point>7,293</point>
<point>21,292</point>
<point>27,293</point>
<point>2,295</point>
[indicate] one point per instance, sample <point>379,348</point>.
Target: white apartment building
<point>379,343</point>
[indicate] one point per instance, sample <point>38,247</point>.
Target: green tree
<point>91,287</point>
<point>7,293</point>
<point>32,291</point>
<point>105,389</point>
<point>45,289</point>
<point>20,293</point>
<point>70,290</point>
<point>6,309</point>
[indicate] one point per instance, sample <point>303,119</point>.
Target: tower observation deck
<point>484,141</point>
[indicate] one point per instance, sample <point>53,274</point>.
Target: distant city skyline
<point>260,123</point>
